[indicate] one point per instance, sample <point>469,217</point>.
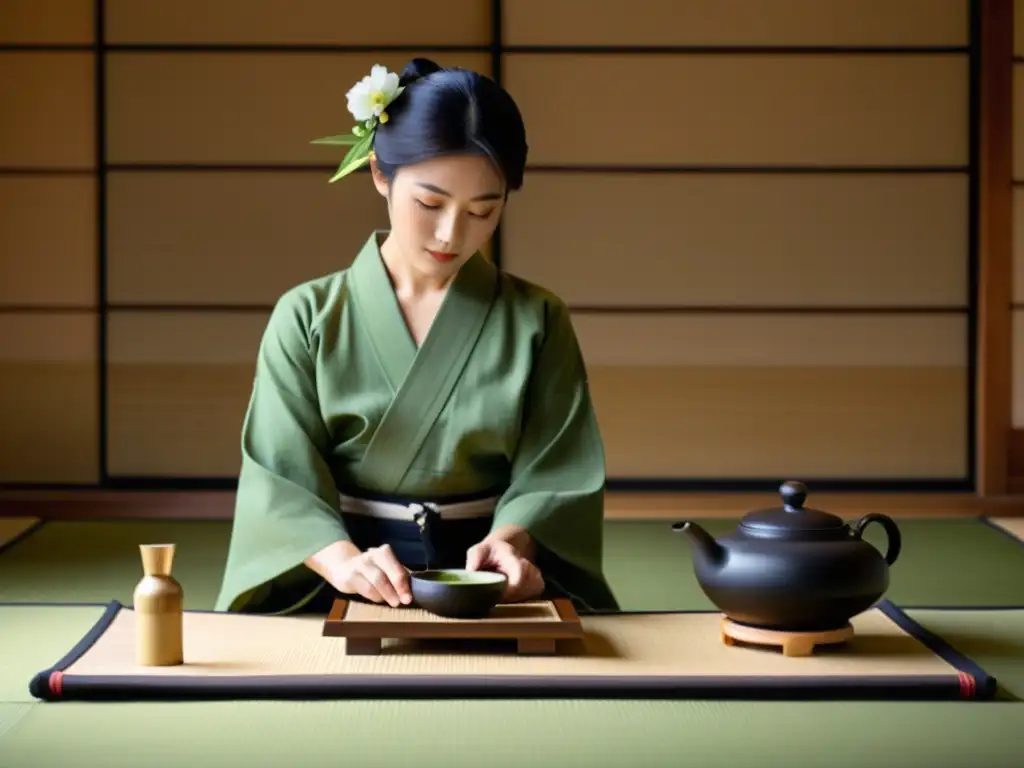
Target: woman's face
<point>442,210</point>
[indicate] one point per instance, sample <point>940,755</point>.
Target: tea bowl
<point>457,593</point>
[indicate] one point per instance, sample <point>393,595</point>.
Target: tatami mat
<point>505,734</point>
<point>99,561</point>
<point>944,562</point>
<point>949,561</point>
<point>37,636</point>
<point>649,566</point>
<point>10,713</point>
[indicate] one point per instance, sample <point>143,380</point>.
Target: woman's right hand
<point>375,574</point>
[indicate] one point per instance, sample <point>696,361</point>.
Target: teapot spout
<point>704,545</point>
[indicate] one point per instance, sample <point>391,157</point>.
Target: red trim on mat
<point>56,683</point>
<point>968,686</point>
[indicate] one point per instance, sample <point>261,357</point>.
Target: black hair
<point>446,111</point>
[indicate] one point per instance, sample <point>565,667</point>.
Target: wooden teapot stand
<point>792,643</point>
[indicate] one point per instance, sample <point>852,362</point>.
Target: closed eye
<point>438,207</point>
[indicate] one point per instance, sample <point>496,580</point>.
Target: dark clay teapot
<point>793,569</point>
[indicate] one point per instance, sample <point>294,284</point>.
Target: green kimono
<point>495,397</point>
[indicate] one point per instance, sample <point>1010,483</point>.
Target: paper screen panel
<point>300,22</point>
<point>49,403</point>
<point>776,395</point>
<point>729,240</point>
<point>1018,27</point>
<point>1018,244</point>
<point>731,396</point>
<point>48,110</point>
<point>179,385</point>
<point>1018,368</point>
<point>48,240</point>
<point>1018,120</point>
<point>736,22</point>
<point>766,109</point>
<point>46,21</point>
<point>239,108</point>
<point>232,238</point>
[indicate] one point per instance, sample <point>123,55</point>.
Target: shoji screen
<point>217,202</point>
<point>767,247</point>
<point>759,212</point>
<point>49,403</point>
<point>1018,218</point>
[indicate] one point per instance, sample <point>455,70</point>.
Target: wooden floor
<point>218,505</point>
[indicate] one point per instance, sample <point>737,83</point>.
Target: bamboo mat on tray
<point>636,655</point>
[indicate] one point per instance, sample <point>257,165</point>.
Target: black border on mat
<point>972,683</point>
<point>987,520</point>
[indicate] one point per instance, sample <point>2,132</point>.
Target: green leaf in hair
<point>357,156</point>
<point>345,139</point>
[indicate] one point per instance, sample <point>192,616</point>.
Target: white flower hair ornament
<point>368,101</point>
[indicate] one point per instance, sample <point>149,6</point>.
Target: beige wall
<point>693,394</point>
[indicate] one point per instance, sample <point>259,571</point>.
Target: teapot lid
<point>792,517</point>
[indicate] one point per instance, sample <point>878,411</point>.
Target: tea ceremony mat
<point>634,654</point>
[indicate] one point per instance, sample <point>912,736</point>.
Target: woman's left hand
<point>496,554</point>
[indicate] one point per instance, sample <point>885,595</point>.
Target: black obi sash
<point>438,533</point>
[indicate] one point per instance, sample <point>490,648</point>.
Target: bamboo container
<point>158,606</point>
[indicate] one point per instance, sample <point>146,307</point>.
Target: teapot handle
<point>891,532</point>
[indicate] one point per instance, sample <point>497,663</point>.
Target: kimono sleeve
<point>558,470</point>
<point>286,507</point>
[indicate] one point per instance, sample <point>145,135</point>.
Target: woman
<point>420,408</point>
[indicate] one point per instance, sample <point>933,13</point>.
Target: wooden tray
<point>536,626</point>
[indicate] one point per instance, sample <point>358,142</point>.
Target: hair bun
<point>416,69</point>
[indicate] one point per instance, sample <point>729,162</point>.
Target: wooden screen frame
<point>994,24</point>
